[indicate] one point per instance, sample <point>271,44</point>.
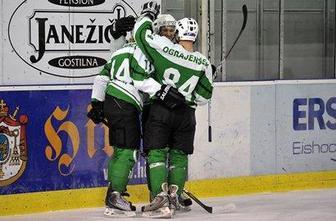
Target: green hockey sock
<point>178,165</point>
<point>157,169</point>
<point>119,168</point>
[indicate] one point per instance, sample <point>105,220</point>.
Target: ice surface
<point>317,205</point>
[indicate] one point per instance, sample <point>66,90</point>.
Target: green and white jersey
<point>189,72</point>
<point>127,72</point>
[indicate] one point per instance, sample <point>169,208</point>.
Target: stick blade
<point>244,8</point>
<point>209,209</point>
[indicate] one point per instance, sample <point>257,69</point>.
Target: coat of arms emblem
<point>13,145</point>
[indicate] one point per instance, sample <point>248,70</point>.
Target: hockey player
<point>165,25</point>
<point>186,76</point>
<point>115,96</point>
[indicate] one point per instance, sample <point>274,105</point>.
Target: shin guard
<point>178,165</point>
<point>157,169</point>
<point>120,167</point>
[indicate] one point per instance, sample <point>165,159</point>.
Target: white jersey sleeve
<point>99,87</point>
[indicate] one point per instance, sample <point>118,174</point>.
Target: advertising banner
<point>305,127</point>
<point>58,41</point>
<point>48,143</point>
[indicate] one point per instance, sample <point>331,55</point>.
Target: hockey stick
<point>209,209</point>
<point>227,208</point>
<point>244,9</point>
<point>105,123</point>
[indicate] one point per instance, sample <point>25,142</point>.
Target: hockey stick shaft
<point>244,9</point>
<point>209,122</point>
<point>209,209</point>
<point>105,122</point>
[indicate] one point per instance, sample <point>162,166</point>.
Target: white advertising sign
<point>62,38</point>
<point>306,126</point>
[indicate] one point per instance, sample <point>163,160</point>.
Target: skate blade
<point>118,213</point>
<point>183,209</point>
<point>164,213</point>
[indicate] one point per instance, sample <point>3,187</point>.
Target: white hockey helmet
<point>187,29</point>
<point>162,21</point>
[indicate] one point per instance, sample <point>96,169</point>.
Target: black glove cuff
<point>161,94</point>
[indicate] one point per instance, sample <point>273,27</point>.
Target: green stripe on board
<point>94,197</point>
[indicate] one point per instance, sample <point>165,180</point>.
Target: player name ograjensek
<point>187,57</point>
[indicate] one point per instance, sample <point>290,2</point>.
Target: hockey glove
<point>123,25</point>
<point>150,9</point>
<point>96,114</point>
<point>170,96</point>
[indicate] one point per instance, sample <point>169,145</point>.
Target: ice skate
<point>174,204</point>
<point>185,203</point>
<point>178,203</point>
<point>159,207</point>
<point>117,206</point>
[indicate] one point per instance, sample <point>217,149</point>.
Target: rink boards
<point>266,136</point>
